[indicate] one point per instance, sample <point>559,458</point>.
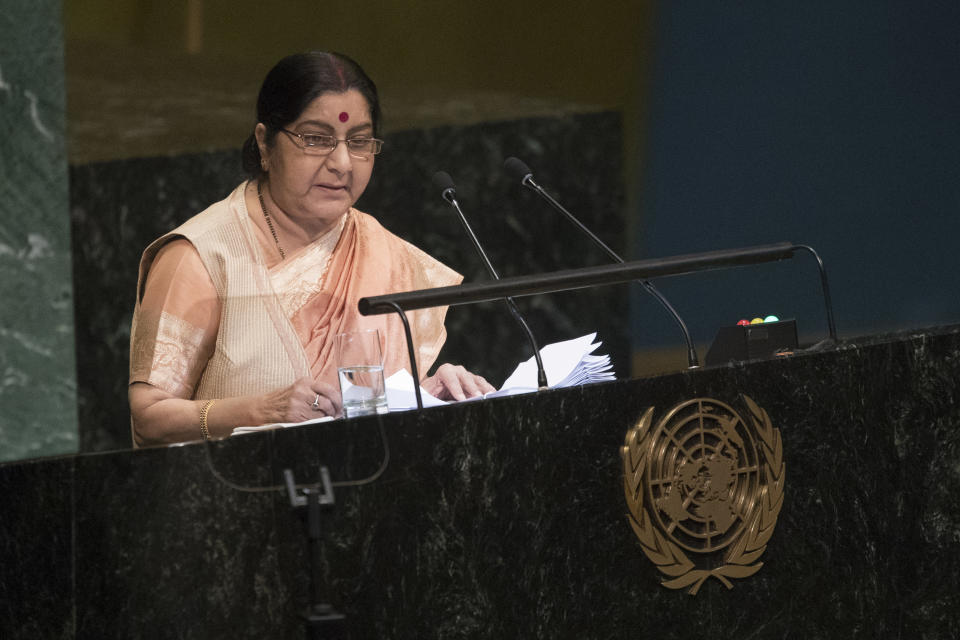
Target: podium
<point>507,518</point>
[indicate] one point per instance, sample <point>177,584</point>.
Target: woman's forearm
<point>160,418</point>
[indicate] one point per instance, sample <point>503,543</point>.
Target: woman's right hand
<point>453,382</point>
<point>305,399</point>
<point>161,418</point>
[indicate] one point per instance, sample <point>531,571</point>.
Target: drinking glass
<point>360,369</point>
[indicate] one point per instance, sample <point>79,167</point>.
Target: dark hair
<point>294,83</point>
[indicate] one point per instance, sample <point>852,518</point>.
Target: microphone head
<point>518,169</point>
<point>443,181</point>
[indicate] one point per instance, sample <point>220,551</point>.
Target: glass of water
<point>360,368</point>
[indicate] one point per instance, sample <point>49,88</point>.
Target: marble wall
<point>118,207</point>
<point>38,410</point>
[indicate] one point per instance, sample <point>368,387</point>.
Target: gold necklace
<point>266,216</point>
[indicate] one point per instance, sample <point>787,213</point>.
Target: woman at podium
<point>237,308</point>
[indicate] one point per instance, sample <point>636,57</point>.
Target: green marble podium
<point>507,518</point>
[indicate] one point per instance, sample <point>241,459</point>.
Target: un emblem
<point>704,488</point>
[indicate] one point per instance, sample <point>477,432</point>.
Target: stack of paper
<point>566,364</point>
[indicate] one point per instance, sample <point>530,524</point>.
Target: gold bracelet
<point>204,431</point>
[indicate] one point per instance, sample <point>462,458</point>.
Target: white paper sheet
<point>566,364</point>
<point>279,425</point>
<point>402,397</point>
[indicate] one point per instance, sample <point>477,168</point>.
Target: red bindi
<point>344,116</point>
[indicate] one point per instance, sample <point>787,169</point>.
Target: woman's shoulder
<point>177,251</point>
<point>426,270</point>
<point>182,245</point>
<point>376,236</point>
<point>370,228</point>
<point>216,216</point>
<point>223,213</point>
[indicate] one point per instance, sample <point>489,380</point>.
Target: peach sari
<point>178,318</point>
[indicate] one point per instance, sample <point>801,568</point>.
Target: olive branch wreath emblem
<point>741,558</point>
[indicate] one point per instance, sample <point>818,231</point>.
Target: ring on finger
<point>316,403</point>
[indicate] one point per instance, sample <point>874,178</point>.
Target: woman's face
<point>319,188</point>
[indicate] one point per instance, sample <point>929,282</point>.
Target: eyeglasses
<point>322,144</point>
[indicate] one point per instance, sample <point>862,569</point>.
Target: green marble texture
<point>38,405</point>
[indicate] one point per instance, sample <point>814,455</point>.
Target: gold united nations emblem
<point>704,488</point>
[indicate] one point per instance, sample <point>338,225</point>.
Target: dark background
<point>833,124</point>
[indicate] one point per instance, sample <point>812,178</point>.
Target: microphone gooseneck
<point>518,168</point>
<point>443,181</point>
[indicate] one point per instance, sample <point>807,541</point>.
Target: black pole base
<point>324,623</point>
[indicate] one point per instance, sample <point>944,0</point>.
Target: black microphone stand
<point>571,279</point>
<point>322,621</point>
<point>517,166</point>
<point>443,180</point>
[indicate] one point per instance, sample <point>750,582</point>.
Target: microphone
<point>448,191</point>
<point>519,169</point>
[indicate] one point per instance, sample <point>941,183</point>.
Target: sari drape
<point>179,321</point>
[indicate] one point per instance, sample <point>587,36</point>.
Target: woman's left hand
<point>453,382</point>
